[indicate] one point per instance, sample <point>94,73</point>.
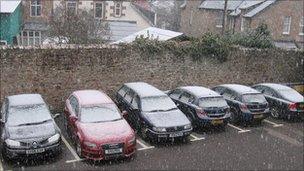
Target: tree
<point>77,27</point>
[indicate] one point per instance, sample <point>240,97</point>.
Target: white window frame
<point>301,24</point>
<point>35,5</point>
<point>115,9</point>
<point>27,37</point>
<point>284,24</point>
<point>102,12</point>
<point>71,2</point>
<point>219,20</point>
<point>242,23</point>
<point>191,18</point>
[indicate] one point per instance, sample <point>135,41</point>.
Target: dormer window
<point>117,9</point>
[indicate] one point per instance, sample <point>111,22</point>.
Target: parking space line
<point>272,123</point>
<point>144,146</point>
<point>196,138</point>
<point>284,137</point>
<point>240,130</point>
<point>73,161</point>
<point>70,148</point>
<point>1,167</point>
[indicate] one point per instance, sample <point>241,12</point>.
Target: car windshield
<point>158,103</point>
<point>254,98</point>
<point>100,113</point>
<point>291,95</point>
<point>28,115</point>
<point>207,102</point>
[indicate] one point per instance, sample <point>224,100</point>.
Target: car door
<point>127,100</point>
<point>136,115</point>
<point>274,99</point>
<point>231,98</point>
<point>186,100</point>
<point>4,110</point>
<point>175,95</point>
<point>120,98</point>
<point>72,106</point>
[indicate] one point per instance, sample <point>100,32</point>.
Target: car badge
<point>35,144</point>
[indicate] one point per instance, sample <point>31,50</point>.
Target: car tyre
<point>234,116</point>
<point>78,149</point>
<point>275,113</point>
<point>143,133</point>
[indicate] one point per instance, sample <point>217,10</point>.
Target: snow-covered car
<point>152,113</point>
<point>97,127</point>
<point>201,105</point>
<point>247,105</point>
<point>284,102</point>
<point>28,128</point>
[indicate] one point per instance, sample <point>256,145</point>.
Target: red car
<point>97,127</point>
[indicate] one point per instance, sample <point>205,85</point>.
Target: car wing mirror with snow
<point>124,113</point>
<point>1,121</point>
<point>56,115</point>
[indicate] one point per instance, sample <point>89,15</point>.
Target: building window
<point>219,19</point>
<point>191,17</point>
<point>99,9</point>
<point>71,6</point>
<point>117,9</point>
<point>31,38</point>
<point>35,8</point>
<point>302,26</point>
<point>242,24</point>
<point>286,24</point>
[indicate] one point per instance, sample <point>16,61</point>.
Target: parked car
<point>152,113</point>
<point>284,101</point>
<point>27,127</point>
<point>203,107</point>
<point>97,127</point>
<point>247,105</point>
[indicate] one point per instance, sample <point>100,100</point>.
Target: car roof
<point>91,97</point>
<point>275,86</point>
<point>144,89</point>
<point>241,89</point>
<point>25,100</point>
<point>199,91</point>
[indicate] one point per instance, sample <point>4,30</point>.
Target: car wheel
<point>78,149</point>
<point>143,132</point>
<point>275,112</point>
<point>233,117</point>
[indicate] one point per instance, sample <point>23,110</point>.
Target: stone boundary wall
<point>55,72</point>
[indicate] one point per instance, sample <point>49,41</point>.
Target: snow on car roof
<point>91,97</point>
<point>25,100</point>
<point>240,88</point>
<point>275,86</point>
<point>200,91</point>
<point>144,89</point>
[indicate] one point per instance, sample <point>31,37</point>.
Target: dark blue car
<point>201,105</point>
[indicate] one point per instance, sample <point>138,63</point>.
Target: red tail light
<point>244,108</point>
<point>200,112</point>
<point>292,107</point>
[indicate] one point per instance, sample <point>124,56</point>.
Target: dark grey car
<point>27,127</point>
<point>152,112</point>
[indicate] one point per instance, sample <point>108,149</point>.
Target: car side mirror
<point>74,118</point>
<point>56,115</point>
<point>124,113</point>
<point>1,121</point>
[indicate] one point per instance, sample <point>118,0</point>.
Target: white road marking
<point>196,138</point>
<point>70,148</point>
<point>73,161</point>
<point>272,123</point>
<point>240,130</point>
<point>1,167</point>
<point>144,146</point>
<point>284,137</point>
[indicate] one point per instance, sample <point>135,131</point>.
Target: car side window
<point>135,102</point>
<point>220,90</point>
<point>122,91</point>
<point>129,96</point>
<point>270,92</point>
<point>175,94</point>
<point>229,95</point>
<point>4,109</point>
<point>186,98</point>
<point>74,105</point>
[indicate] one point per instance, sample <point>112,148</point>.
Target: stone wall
<point>56,72</point>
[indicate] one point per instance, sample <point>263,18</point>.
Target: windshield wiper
<point>35,123</point>
<point>172,109</point>
<point>157,111</point>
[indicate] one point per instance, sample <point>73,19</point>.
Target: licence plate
<point>258,116</point>
<point>177,134</point>
<point>34,151</point>
<point>113,151</point>
<point>216,122</point>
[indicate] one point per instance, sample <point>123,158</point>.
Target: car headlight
<point>188,126</point>
<point>12,143</point>
<point>54,138</point>
<point>159,129</point>
<point>132,141</point>
<point>90,145</point>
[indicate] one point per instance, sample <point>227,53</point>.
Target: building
<point>10,21</point>
<point>284,18</point>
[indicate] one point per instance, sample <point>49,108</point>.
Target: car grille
<point>34,143</point>
<point>112,146</point>
<point>257,107</point>
<point>174,129</point>
<point>216,112</point>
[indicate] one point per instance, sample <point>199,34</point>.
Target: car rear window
<point>254,98</point>
<point>206,102</point>
<point>99,113</point>
<point>291,95</point>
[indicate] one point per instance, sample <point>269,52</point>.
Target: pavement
<point>273,145</point>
